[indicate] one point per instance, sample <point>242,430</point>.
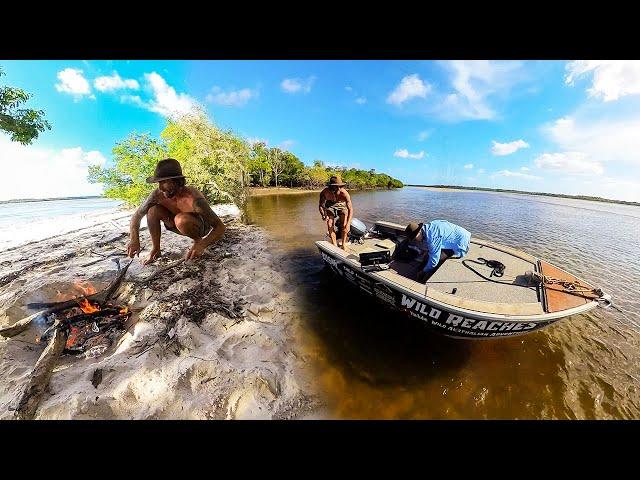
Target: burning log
<point>100,298</point>
<point>40,377</point>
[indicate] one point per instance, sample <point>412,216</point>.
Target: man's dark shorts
<point>205,228</point>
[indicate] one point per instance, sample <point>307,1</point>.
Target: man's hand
<point>196,250</point>
<point>153,255</point>
<point>133,248</point>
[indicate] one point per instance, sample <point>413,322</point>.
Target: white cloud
<point>37,172</point>
<point>525,169</point>
<point>469,166</point>
<point>287,144</point>
<point>509,173</point>
<point>409,87</point>
<point>135,99</point>
<point>232,98</point>
<point>114,82</point>
<point>296,85</point>
<point>602,140</point>
<point>404,153</point>
<point>72,81</point>
<point>569,162</point>
<point>423,135</point>
<point>348,88</point>
<point>473,82</point>
<point>165,100</point>
<point>502,149</point>
<point>361,100</point>
<point>611,79</point>
<point>481,170</point>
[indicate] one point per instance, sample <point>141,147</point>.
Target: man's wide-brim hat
<point>412,230</point>
<point>336,181</point>
<point>165,170</point>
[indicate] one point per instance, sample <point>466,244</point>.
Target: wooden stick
<point>20,326</point>
<point>100,297</point>
<point>40,376</point>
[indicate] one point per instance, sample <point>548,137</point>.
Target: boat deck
<point>471,290</point>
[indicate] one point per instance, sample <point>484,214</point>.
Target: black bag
<point>405,252</point>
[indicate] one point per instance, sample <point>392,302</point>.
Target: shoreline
<point>211,338</point>
<point>263,191</point>
<point>455,188</point>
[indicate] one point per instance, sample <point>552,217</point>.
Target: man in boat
<point>182,209</point>
<point>441,240</point>
<point>335,203</point>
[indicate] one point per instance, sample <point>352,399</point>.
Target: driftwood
<point>100,297</point>
<point>40,377</point>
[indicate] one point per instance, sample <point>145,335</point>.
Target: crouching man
<point>182,209</point>
<point>441,240</point>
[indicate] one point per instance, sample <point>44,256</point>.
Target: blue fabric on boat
<point>439,235</point>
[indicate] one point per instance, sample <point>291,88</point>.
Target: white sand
<point>167,365</point>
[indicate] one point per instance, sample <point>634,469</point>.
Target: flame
<point>87,289</point>
<point>87,307</point>
<point>73,336</point>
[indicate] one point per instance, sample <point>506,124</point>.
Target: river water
<point>371,363</point>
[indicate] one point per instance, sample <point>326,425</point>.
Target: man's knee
<point>185,223</point>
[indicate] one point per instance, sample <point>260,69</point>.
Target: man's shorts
<point>205,228</point>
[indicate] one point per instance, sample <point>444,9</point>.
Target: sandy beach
<point>211,338</point>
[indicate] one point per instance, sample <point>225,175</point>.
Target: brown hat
<point>413,229</point>
<point>336,181</point>
<point>165,170</point>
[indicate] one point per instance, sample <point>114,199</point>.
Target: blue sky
<point>555,126</point>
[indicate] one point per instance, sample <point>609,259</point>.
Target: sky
<point>569,127</point>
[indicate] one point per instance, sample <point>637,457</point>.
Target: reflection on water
<point>369,362</point>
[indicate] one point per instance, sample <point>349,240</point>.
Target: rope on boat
<point>568,286</point>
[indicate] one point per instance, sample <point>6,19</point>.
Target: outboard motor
<point>357,231</point>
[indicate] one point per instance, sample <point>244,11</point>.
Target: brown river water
<point>371,363</point>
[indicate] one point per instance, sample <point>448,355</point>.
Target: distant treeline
<point>218,162</point>
<point>577,197</point>
<point>23,200</point>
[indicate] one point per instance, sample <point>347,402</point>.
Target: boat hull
<point>438,317</point>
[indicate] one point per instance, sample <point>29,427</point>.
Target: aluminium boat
<point>493,291</point>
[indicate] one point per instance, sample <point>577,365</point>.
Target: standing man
<point>335,203</point>
<point>183,210</point>
<point>442,240</point>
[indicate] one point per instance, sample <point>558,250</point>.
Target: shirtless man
<point>335,201</point>
<point>182,209</point>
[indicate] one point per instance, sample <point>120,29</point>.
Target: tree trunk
<point>40,376</point>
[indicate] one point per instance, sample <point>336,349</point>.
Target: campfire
<point>90,327</point>
<point>87,324</point>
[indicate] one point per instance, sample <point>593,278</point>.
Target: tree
<point>134,159</point>
<point>292,170</point>
<point>277,162</point>
<point>258,164</point>
<point>214,160</point>
<point>24,124</point>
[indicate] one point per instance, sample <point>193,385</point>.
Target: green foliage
<point>258,165</point>
<point>214,161</point>
<point>134,159</point>
<point>217,162</point>
<point>24,124</point>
